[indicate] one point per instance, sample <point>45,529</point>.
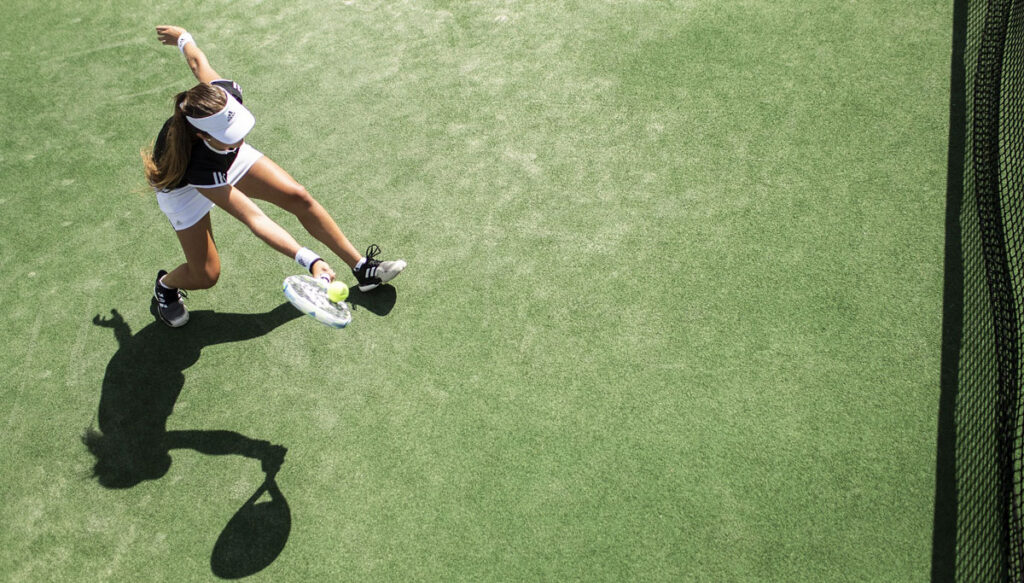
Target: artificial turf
<point>672,310</point>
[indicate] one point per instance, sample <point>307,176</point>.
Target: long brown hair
<point>203,100</point>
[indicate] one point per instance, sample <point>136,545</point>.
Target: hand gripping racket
<point>309,296</point>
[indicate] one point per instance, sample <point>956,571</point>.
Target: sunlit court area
<point>692,291</point>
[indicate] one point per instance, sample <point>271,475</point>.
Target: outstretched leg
<point>268,181</point>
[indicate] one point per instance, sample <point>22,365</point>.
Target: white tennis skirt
<point>185,206</point>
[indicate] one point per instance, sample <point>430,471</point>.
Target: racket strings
<point>310,297</point>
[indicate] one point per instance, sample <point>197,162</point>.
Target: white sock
<point>359,264</point>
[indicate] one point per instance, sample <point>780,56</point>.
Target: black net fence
<point>979,531</point>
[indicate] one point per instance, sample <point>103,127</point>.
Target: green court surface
<point>672,312</point>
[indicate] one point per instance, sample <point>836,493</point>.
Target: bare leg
<point>268,181</point>
<point>202,263</point>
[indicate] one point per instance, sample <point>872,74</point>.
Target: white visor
<point>229,125</point>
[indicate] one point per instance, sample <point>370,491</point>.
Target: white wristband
<point>183,40</point>
<point>306,258</point>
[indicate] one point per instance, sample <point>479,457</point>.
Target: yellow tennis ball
<point>337,291</point>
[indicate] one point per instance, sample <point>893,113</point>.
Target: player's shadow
<point>132,444</point>
<point>380,301</point>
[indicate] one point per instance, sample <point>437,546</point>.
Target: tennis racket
<point>309,296</point>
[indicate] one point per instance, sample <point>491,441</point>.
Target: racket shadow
<point>255,535</point>
<point>379,301</point>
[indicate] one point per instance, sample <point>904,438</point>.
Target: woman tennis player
<point>200,159</point>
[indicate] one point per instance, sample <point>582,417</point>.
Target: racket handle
<point>325,279</point>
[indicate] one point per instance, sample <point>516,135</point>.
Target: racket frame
<point>309,296</point>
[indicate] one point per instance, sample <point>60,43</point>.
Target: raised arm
<point>122,331</point>
<point>195,58</point>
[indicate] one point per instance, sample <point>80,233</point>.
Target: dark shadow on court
<point>131,443</point>
<point>973,518</point>
<point>255,535</point>
<point>379,301</point>
<point>944,528</point>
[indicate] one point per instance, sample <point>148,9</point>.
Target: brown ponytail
<point>200,101</point>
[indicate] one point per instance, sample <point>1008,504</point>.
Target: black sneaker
<point>169,305</point>
<point>373,272</point>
